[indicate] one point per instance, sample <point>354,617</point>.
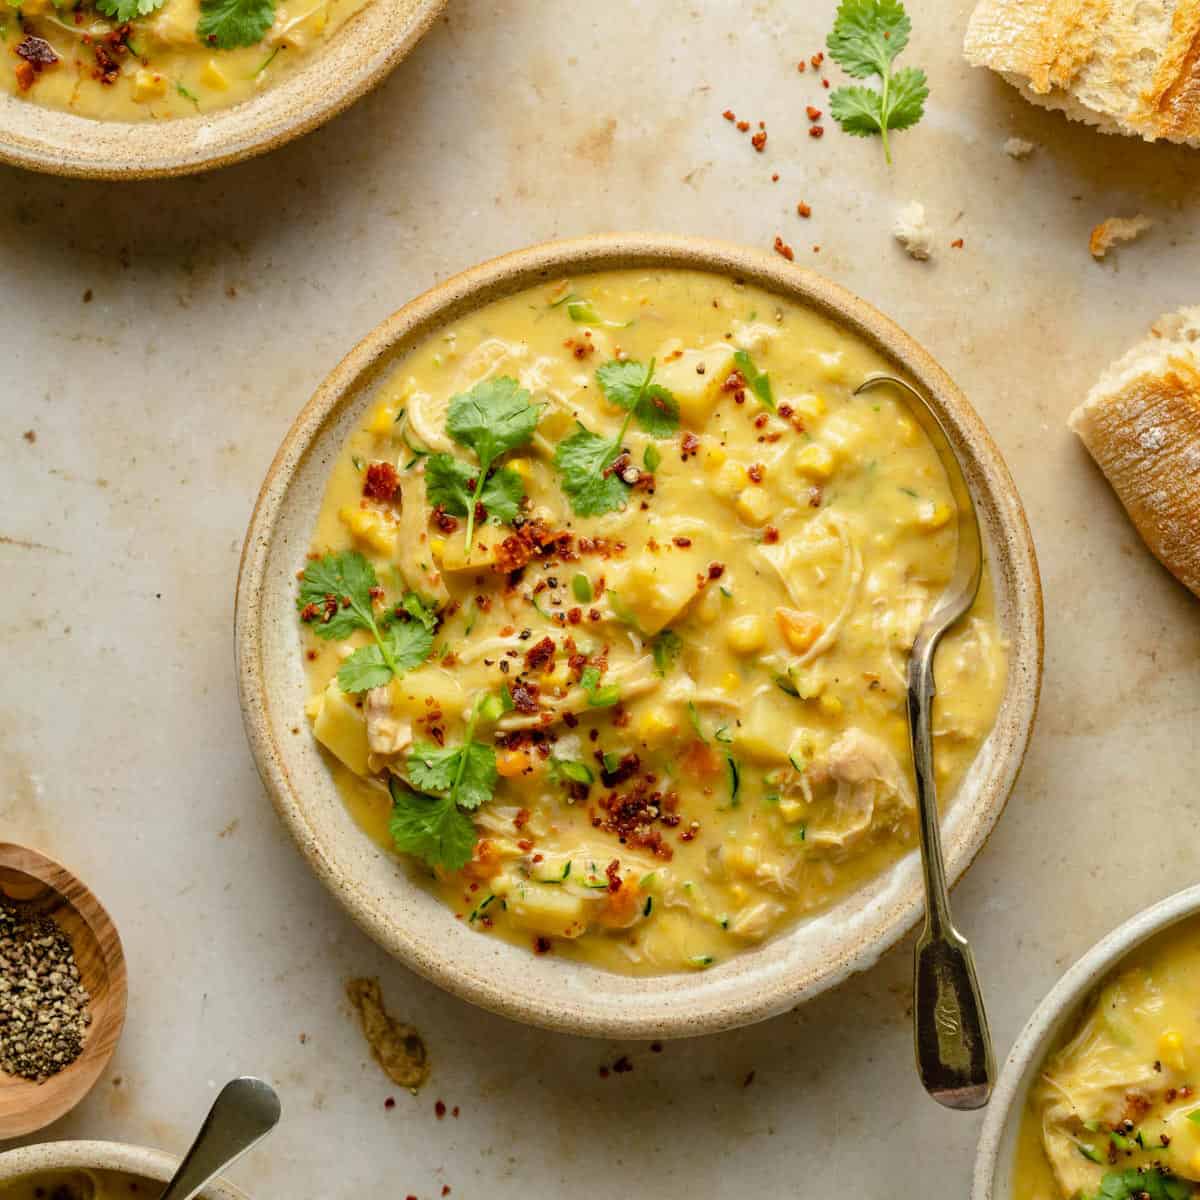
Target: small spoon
<point>242,1115</point>
<point>953,1045</point>
<point>41,887</point>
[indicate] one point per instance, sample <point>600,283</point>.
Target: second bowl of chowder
<point>572,626</point>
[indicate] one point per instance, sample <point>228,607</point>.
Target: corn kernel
<point>791,809</point>
<point>731,681</point>
<point>746,634</point>
<point>815,461</point>
<point>212,76</point>
<point>148,85</point>
<point>382,419</point>
<point>370,527</point>
<point>1170,1049</point>
<point>714,457</point>
<point>800,629</point>
<point>754,505</point>
<point>808,406</point>
<point>656,725</point>
<point>437,547</point>
<point>729,480</point>
<point>831,706</point>
<point>933,514</point>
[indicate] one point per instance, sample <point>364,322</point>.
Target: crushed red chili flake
<point>688,446</point>
<point>817,59</point>
<point>446,1186</point>
<point>816,131</point>
<point>804,210</point>
<point>957,244</point>
<point>775,177</point>
<point>814,114</point>
<point>748,1080</point>
<point>743,126</point>
<point>801,66</point>
<point>613,874</point>
<point>380,481</point>
<point>454,1111</point>
<point>682,542</point>
<point>716,570</point>
<point>580,349</point>
<point>759,140</point>
<point>770,535</point>
<point>390,1102</point>
<point>756,471</point>
<point>522,818</point>
<point>439,1110</point>
<point>728,115</point>
<point>541,945</point>
<point>603,1072</point>
<point>815,497</point>
<point>656,1047</point>
<point>825,83</point>
<point>781,247</point>
<point>622,1066</point>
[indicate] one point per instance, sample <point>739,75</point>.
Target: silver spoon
<point>241,1116</point>
<point>950,1028</point>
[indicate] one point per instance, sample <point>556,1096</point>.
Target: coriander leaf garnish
<point>127,10</point>
<point>666,648</point>
<point>759,381</point>
<point>627,385</point>
<point>229,23</point>
<point>1135,1183</point>
<point>432,828</point>
<point>597,696</point>
<point>495,416</point>
<point>867,36</point>
<point>582,461</point>
<point>337,597</point>
<point>466,773</point>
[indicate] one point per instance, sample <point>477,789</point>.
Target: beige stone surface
<point>218,303</point>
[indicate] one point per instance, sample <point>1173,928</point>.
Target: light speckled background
<point>221,301</point>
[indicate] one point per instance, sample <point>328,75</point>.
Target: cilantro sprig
<point>584,460</point>
<point>127,10</point>
<point>867,36</point>
<point>759,381</point>
<point>429,818</point>
<point>227,24</point>
<point>495,416</point>
<point>337,597</point>
<point>1136,1183</point>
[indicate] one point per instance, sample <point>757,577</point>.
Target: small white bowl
<point>997,1143</point>
<point>102,1156</point>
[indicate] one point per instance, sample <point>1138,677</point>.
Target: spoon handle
<point>950,1029</point>
<point>243,1114</point>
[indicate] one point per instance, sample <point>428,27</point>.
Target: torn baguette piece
<point>1123,66</point>
<point>1141,423</point>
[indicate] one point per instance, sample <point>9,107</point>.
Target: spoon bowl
<point>40,886</point>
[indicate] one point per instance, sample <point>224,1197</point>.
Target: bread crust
<point>1127,66</point>
<point>1141,423</point>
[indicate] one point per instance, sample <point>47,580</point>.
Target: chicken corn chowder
<point>607,611</point>
<point>1115,1112</point>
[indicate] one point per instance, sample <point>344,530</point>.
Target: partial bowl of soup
<point>93,1171</point>
<point>131,89</point>
<point>1100,1097</point>
<point>572,624</point>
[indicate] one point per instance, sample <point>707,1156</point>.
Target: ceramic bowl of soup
<point>1100,1096</point>
<point>571,632</point>
<point>133,89</point>
<point>92,1171</point>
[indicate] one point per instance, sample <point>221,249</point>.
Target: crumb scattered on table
<point>1116,229</point>
<point>397,1047</point>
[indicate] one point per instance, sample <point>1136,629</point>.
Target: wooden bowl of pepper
<point>62,990</point>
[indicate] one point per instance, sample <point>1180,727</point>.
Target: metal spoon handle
<point>950,1029</point>
<point>243,1114</point>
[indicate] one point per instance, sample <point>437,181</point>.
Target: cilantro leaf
<point>420,609</point>
<point>627,384</point>
<point>581,461</point>
<point>477,776</point>
<point>127,10</point>
<point>502,495</point>
<point>432,768</point>
<point>229,23</point>
<point>450,482</point>
<point>432,828</point>
<point>407,644</point>
<point>867,36</point>
<point>666,648</point>
<point>759,381</point>
<point>346,579</point>
<point>1136,1183</point>
<point>466,773</point>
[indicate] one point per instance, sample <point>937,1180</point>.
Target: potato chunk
<point>341,727</point>
<point>658,585</point>
<point>694,379</point>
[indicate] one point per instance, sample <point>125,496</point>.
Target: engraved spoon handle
<point>952,1040</point>
<point>241,1116</point>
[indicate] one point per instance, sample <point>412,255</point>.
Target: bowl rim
<point>742,998</point>
<point>103,1156</point>
<point>1057,1008</point>
<point>69,145</point>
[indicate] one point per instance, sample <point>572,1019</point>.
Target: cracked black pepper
<point>44,1012</point>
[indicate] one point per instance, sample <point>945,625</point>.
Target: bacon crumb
<point>814,114</point>
<point>541,656</point>
<point>804,210</point>
<point>541,945</point>
<point>957,244</point>
<point>743,126</point>
<point>781,247</point>
<point>770,535</point>
<point>380,481</point>
<point>759,140</point>
<point>801,66</point>
<point>439,1110</point>
<point>756,472</point>
<point>716,570</point>
<point>817,59</point>
<point>816,131</point>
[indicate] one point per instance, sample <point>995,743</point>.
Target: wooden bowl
<point>151,1165</point>
<point>995,1158</point>
<point>32,879</point>
<point>357,57</point>
<point>417,927</point>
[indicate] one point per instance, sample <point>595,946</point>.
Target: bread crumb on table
<point>1017,147</point>
<point>1116,229</point>
<point>912,232</point>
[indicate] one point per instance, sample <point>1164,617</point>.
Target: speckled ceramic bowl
<point>101,1156</point>
<point>997,1144</point>
<point>414,925</point>
<point>355,59</point>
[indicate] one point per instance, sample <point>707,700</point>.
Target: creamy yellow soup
<point>79,1185</point>
<point>179,58</point>
<point>655,713</point>
<point>1115,1112</point>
